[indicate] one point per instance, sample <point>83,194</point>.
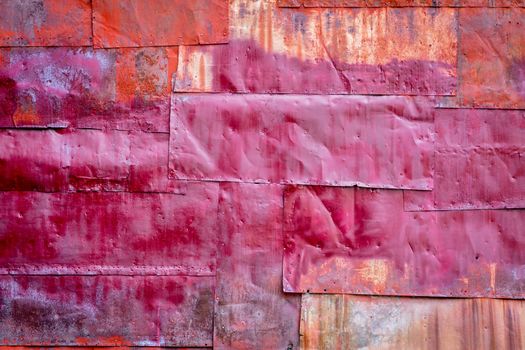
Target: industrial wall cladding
<point>262,174</point>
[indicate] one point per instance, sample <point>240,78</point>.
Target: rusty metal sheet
<point>491,61</point>
<point>126,89</point>
<point>479,161</point>
<point>363,322</point>
<point>85,160</point>
<point>136,23</point>
<point>337,140</point>
<point>92,233</point>
<point>360,241</point>
<point>401,3</point>
<point>339,51</point>
<point>45,23</point>
<point>106,310</point>
<point>251,310</point>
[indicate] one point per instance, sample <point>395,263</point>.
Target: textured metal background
<point>192,174</point>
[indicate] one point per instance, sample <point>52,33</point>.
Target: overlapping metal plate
<point>384,142</point>
<point>276,50</point>
<point>45,23</point>
<point>361,241</point>
<point>478,161</point>
<point>362,322</point>
<point>401,3</point>
<point>106,310</point>
<point>136,23</point>
<point>86,88</point>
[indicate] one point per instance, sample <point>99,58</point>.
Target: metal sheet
<point>479,161</point>
<point>135,23</point>
<point>251,310</point>
<point>106,310</point>
<point>84,160</point>
<point>276,50</point>
<point>45,23</point>
<point>346,240</point>
<point>92,233</point>
<point>401,3</point>
<point>491,64</point>
<point>126,89</point>
<point>359,322</point>
<point>337,140</point>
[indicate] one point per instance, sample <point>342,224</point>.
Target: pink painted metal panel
<point>491,60</point>
<point>340,51</point>
<point>85,160</point>
<point>117,233</point>
<point>106,310</point>
<point>126,89</point>
<point>251,310</point>
<point>344,140</point>
<point>360,241</point>
<point>45,23</point>
<point>479,161</point>
<point>135,23</point>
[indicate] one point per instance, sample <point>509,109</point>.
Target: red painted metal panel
<point>341,51</point>
<point>117,233</point>
<point>346,240</point>
<point>86,160</point>
<point>401,3</point>
<point>159,22</point>
<point>106,310</point>
<point>251,310</point>
<point>491,63</point>
<point>126,89</point>
<point>344,140</point>
<point>45,23</point>
<point>479,161</point>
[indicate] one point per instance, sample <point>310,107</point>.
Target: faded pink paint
<point>370,141</point>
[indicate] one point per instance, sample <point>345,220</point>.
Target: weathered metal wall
<point>234,173</point>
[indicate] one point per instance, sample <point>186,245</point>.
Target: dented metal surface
<point>136,23</point>
<point>93,233</point>
<point>45,23</point>
<point>360,241</point>
<point>251,309</point>
<point>479,161</point>
<point>382,142</point>
<point>342,51</point>
<point>106,310</point>
<point>362,322</point>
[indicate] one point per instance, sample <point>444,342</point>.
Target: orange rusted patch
<point>159,22</point>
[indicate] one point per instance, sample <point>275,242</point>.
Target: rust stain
<point>357,322</point>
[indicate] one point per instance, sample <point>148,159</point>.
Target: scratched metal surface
<point>361,241</point>
<point>303,139</point>
<point>362,322</point>
<point>277,50</point>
